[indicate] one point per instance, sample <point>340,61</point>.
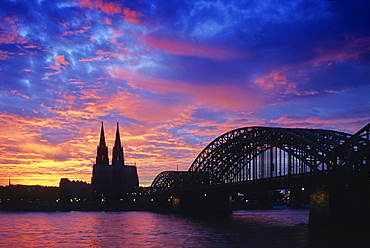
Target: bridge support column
<point>176,205</point>
<point>319,206</point>
<point>347,204</point>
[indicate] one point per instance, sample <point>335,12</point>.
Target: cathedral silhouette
<point>113,181</point>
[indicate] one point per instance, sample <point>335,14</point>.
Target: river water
<point>244,228</point>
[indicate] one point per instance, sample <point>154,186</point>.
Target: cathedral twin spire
<point>102,150</point>
<point>118,158</point>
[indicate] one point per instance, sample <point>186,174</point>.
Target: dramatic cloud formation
<point>174,74</point>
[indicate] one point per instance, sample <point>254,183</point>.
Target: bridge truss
<point>253,153</point>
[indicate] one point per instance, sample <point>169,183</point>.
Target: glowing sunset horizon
<point>174,74</point>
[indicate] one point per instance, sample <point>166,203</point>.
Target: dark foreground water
<point>252,228</point>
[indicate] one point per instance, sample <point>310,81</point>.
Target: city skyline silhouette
<point>174,74</point>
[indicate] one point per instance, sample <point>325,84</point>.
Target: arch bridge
<point>254,153</point>
<point>333,165</point>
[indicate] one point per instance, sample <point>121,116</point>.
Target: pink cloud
<point>116,33</point>
<point>63,24</point>
<point>111,8</point>
<point>5,54</point>
<point>190,48</point>
<point>59,64</point>
<point>76,81</point>
<point>108,21</point>
<point>340,123</point>
<point>106,55</point>
<point>123,53</point>
<point>9,33</point>
<point>75,32</point>
<point>15,92</point>
<point>350,49</point>
<point>131,16</point>
<point>226,95</point>
<point>32,47</point>
<point>108,8</point>
<point>278,83</point>
<point>89,60</point>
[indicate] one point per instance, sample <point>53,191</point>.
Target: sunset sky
<point>174,74</point>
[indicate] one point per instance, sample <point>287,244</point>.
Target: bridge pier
<point>346,204</point>
<point>319,207</point>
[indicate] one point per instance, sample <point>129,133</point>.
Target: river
<point>243,228</point>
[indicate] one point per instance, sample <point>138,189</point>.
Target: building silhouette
<point>74,191</point>
<point>112,181</point>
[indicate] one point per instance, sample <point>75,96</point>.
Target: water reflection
<point>272,228</point>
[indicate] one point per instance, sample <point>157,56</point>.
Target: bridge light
<point>204,194</point>
<point>152,199</point>
<point>303,188</point>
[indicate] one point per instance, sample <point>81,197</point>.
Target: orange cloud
<point>28,157</point>
<point>15,92</point>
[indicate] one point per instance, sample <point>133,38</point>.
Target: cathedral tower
<point>102,150</point>
<point>111,182</point>
<point>118,158</point>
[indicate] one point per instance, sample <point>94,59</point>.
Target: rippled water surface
<point>253,228</point>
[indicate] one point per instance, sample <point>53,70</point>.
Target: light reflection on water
<point>257,228</point>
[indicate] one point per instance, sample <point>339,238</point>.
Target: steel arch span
<point>253,153</point>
